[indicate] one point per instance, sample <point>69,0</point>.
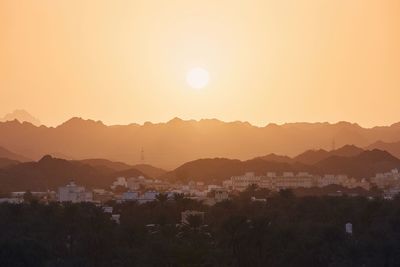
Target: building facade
<point>73,193</point>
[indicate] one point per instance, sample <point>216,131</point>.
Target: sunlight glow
<point>197,78</point>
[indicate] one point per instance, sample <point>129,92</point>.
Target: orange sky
<point>269,61</point>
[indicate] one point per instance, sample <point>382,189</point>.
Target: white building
<point>243,181</point>
<point>130,196</point>
<point>11,200</point>
<point>108,209</point>
<point>387,179</point>
<point>134,183</point>
<point>330,179</point>
<point>254,199</point>
<point>148,197</point>
<point>120,181</point>
<point>273,181</point>
<point>220,195</point>
<point>349,228</point>
<point>391,193</point>
<point>116,218</point>
<point>290,180</point>
<point>353,183</point>
<point>227,184</point>
<point>73,193</point>
<point>212,187</point>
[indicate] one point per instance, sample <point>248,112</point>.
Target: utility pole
<point>142,155</point>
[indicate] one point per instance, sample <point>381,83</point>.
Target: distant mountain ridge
<point>168,145</point>
<point>5,162</point>
<point>21,116</point>
<point>49,173</point>
<point>362,165</point>
<point>5,153</point>
<point>216,170</point>
<point>117,166</point>
<point>314,156</point>
<point>150,171</point>
<point>276,158</point>
<point>391,147</point>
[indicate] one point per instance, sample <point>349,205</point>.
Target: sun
<point>197,78</point>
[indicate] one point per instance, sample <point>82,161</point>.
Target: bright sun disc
<point>197,78</point>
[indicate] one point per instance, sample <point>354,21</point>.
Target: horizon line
<point>177,119</point>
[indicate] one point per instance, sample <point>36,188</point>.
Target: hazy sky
<point>269,61</point>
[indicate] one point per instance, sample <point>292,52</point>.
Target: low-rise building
<point>243,181</point>
<point>130,196</point>
<point>221,195</point>
<point>73,193</point>
<point>102,195</point>
<point>289,180</point>
<point>11,200</point>
<point>116,218</point>
<point>108,209</point>
<point>273,181</point>
<point>120,181</point>
<point>135,183</point>
<point>148,197</point>
<point>391,193</point>
<point>387,179</point>
<point>332,179</point>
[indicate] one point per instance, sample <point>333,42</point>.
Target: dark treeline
<point>284,231</point>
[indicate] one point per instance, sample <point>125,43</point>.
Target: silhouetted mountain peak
<point>312,156</point>
<point>272,157</point>
<point>347,124</point>
<point>347,151</point>
<point>150,170</point>
<point>175,120</point>
<point>395,125</point>
<point>391,147</point>
<point>79,122</point>
<point>377,143</point>
<point>21,116</point>
<point>46,158</point>
<point>376,154</point>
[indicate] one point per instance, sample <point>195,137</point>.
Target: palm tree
<point>162,198</point>
<point>194,222</point>
<point>193,229</point>
<point>179,197</point>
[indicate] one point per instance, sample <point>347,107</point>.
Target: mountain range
<point>50,172</point>
<point>170,144</point>
<point>364,164</point>
<point>313,156</point>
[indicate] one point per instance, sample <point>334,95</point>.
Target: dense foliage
<point>284,231</point>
